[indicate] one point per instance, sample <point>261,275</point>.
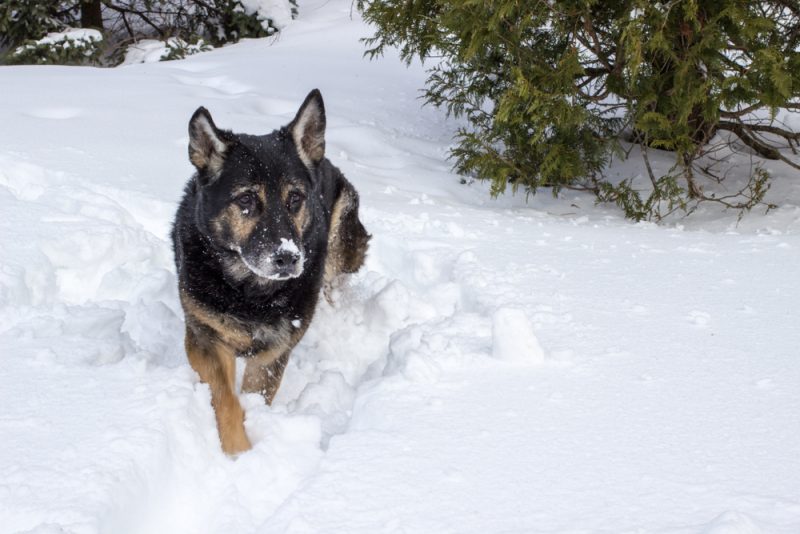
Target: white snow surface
<point>496,366</point>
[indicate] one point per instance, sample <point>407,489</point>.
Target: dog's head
<point>257,196</point>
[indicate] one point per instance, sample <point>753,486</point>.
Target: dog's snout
<point>284,259</point>
<point>276,262</point>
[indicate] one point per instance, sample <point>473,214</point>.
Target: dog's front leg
<point>263,374</point>
<point>216,365</point>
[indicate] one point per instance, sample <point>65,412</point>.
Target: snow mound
<point>78,37</point>
<point>513,338</point>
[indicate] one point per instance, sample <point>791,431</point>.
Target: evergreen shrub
<point>552,91</point>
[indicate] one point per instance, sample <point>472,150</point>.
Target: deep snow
<point>497,366</point>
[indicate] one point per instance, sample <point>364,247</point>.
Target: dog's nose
<point>285,260</point>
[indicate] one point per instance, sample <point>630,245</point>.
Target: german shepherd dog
<point>263,224</point>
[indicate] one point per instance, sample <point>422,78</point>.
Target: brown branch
<point>141,15</point>
<point>647,165</point>
<point>599,97</point>
<point>760,148</point>
<point>596,47</point>
<point>788,161</point>
<point>128,27</point>
<point>786,134</point>
<point>741,112</point>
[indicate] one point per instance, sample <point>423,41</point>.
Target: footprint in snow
<point>195,66</point>
<point>698,318</point>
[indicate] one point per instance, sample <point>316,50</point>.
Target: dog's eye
<point>294,201</point>
<point>246,201</point>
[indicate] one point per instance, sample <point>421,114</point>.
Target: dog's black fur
<point>263,224</point>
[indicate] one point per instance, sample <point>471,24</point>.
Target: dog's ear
<point>207,144</point>
<point>308,130</point>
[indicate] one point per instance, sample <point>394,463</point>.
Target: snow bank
<point>78,37</point>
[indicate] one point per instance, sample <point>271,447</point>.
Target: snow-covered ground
<point>497,366</point>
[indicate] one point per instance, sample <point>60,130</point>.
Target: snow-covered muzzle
<point>281,262</point>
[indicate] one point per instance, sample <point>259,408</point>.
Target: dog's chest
<point>252,338</point>
<point>270,334</point>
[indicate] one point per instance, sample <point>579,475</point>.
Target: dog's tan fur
<point>346,251</point>
<point>215,362</point>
